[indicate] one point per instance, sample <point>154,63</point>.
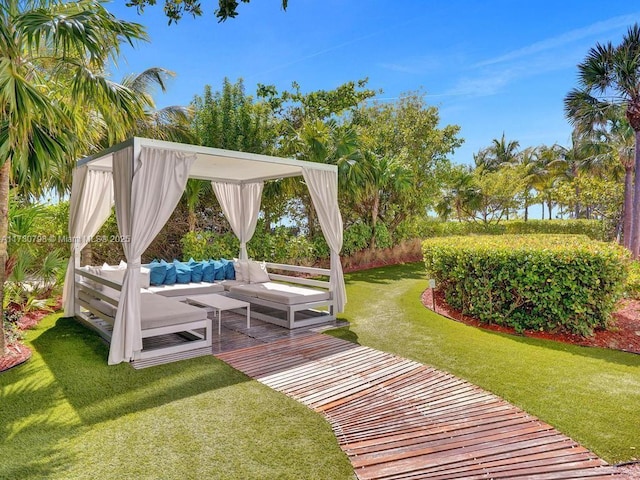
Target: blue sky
<point>490,66</point>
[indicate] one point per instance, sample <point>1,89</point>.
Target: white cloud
<point>563,39</point>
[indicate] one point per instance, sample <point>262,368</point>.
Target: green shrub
<point>356,237</point>
<point>429,227</point>
<point>281,245</point>
<point>203,245</point>
<point>633,281</point>
<point>383,237</point>
<point>531,282</point>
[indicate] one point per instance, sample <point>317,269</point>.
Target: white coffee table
<point>219,303</point>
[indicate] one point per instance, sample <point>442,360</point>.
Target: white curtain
<point>89,207</point>
<point>323,187</point>
<point>147,190</point>
<point>240,204</point>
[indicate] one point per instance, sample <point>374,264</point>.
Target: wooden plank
<point>395,418</point>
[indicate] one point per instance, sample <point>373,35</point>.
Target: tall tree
<point>171,123</point>
<point>609,77</point>
<point>233,120</point>
<point>501,152</point>
<point>408,131</point>
<point>49,52</point>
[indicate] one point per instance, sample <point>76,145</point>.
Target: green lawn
<point>592,395</point>
<point>66,414</point>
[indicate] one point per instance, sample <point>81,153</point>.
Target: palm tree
<point>171,123</point>
<point>52,52</point>
<point>460,194</point>
<point>611,149</point>
<point>527,162</point>
<point>375,180</point>
<point>500,152</point>
<point>322,142</point>
<point>609,77</point>
<point>544,175</point>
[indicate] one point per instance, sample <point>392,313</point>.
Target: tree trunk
<point>635,216</point>
<point>4,231</point>
<point>374,221</point>
<point>627,207</point>
<point>542,209</point>
<point>191,219</point>
<point>86,255</point>
<point>549,204</point>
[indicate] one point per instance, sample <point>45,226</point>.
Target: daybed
<point>99,295</point>
<point>292,304</point>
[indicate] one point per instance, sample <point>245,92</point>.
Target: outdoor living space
<point>132,302</point>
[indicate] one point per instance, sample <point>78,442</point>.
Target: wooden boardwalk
<point>398,419</point>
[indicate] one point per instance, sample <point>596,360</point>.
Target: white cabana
<point>146,177</point>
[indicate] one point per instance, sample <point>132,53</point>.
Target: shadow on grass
<point>389,274</point>
<point>67,386</point>
<point>605,354</point>
<point>344,333</point>
<point>77,358</point>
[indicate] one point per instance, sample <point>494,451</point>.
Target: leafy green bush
<point>203,245</point>
<point>356,237</point>
<point>281,245</point>
<point>429,227</point>
<point>633,280</point>
<point>531,282</point>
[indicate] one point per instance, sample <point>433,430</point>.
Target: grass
<point>66,414</point>
<point>590,394</point>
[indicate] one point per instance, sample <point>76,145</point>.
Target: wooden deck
<point>398,419</point>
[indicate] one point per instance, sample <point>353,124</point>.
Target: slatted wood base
<point>398,419</point>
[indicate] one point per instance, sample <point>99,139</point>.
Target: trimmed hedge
<point>565,283</point>
<point>594,229</point>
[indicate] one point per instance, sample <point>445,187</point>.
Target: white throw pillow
<point>258,272</point>
<point>242,270</point>
<point>91,283</point>
<point>113,273</point>
<point>116,274</point>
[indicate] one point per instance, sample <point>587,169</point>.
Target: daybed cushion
<point>186,289</point>
<point>281,293</point>
<point>227,284</point>
<point>219,269</point>
<point>156,310</point>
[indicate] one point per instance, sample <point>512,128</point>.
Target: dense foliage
<point>427,228</point>
<point>534,282</point>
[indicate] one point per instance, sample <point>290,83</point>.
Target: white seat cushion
<point>159,311</point>
<point>281,293</point>
<point>155,310</point>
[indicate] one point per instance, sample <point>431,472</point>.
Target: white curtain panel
<point>323,188</point>
<point>147,191</point>
<point>89,207</point>
<point>240,204</point>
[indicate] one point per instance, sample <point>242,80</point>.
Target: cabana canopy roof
<point>215,164</point>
